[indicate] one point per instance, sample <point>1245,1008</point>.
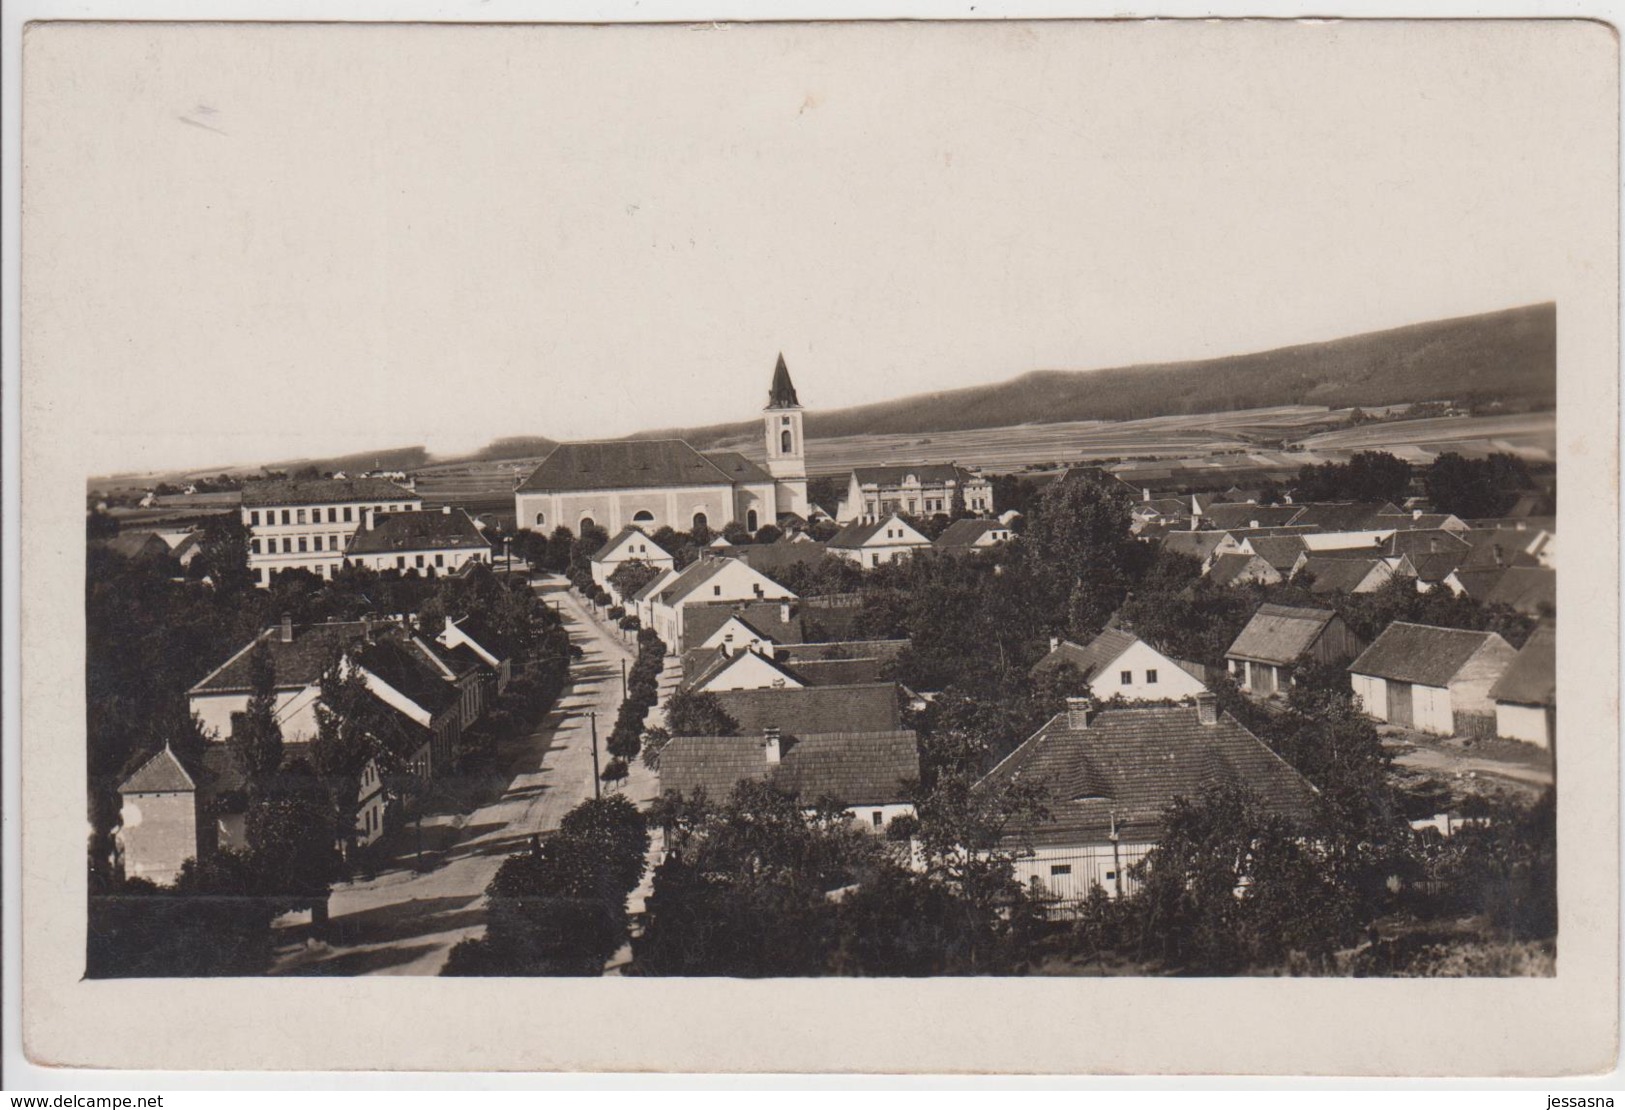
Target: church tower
<point>786,452</point>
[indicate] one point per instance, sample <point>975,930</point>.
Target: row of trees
<point>1469,488</point>
<point>642,690</point>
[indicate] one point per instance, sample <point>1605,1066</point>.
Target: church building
<point>655,483</point>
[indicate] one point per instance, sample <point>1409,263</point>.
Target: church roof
<point>737,467</point>
<point>623,464</point>
<point>782,395</point>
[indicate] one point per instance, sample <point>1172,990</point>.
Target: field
<point>1530,435</point>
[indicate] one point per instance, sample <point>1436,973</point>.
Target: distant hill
<point>1508,356</point>
<point>512,447</point>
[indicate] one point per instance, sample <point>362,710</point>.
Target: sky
<point>265,242</point>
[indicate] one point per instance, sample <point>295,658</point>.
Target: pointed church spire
<point>783,394</point>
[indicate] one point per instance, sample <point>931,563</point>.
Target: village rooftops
<point>1419,653</point>
<point>1117,770</point>
<point>1280,552</point>
<point>407,672</point>
<point>1532,677</point>
<point>1336,574</point>
<point>623,464</point>
<point>774,621</point>
<point>418,532</point>
<point>1222,516</point>
<point>1278,634</point>
<point>865,708</point>
<point>1529,590</point>
<point>843,649</point>
<point>300,654</point>
<point>1090,659</point>
<point>966,533</point>
<point>925,474</point>
<point>857,769</point>
<point>326,491</point>
<point>1234,567</point>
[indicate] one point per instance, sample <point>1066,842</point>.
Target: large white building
<point>308,525</point>
<point>659,483</point>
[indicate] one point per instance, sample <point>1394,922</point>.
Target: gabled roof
<point>1532,677</point>
<point>298,664</point>
<point>884,650</point>
<point>1280,552</point>
<point>833,672</point>
<point>478,629</point>
<point>1530,590</point>
<point>928,474</point>
<point>858,534</point>
<point>965,533</point>
<point>1124,769</point>
<point>325,491</point>
<point>868,708</point>
<point>769,557</point>
<point>1346,516</point>
<point>1089,659</point>
<point>1421,654</point>
<point>1234,567</point>
<point>621,537</point>
<point>689,579</point>
<point>855,768</point>
<point>1497,548</point>
<point>418,531</point>
<point>1222,516</point>
<point>623,464</point>
<point>701,664</point>
<point>1338,575</point>
<point>408,673</point>
<point>1477,582</point>
<point>162,774</point>
<point>659,582</point>
<point>138,545</point>
<point>764,618</point>
<point>782,393</point>
<point>757,657</point>
<point>1434,568</point>
<point>1197,544</point>
<point>1422,542</point>
<point>737,467</point>
<point>1278,634</point>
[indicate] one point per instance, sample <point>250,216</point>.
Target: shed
<point>1435,680</point>
<point>1277,636</point>
<point>1526,695</point>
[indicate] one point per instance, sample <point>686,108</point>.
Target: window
<point>439,560</point>
<point>643,516</point>
<point>750,521</point>
<point>400,562</point>
<point>287,545</point>
<point>299,516</point>
<point>1111,874</point>
<point>1151,678</point>
<point>1127,678</point>
<point>699,520</point>
<point>254,518</point>
<point>285,516</point>
<point>879,819</point>
<point>301,543</point>
<point>541,518</point>
<point>419,560</point>
<point>254,546</point>
<point>318,542</point>
<point>332,543</point>
<point>784,441</point>
<point>332,514</point>
<point>716,591</point>
<point>1060,869</point>
<point>588,522</point>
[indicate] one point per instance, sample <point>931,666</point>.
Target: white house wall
<point>1528,723</point>
<point>1086,866</point>
<point>749,671</point>
<point>1140,661</point>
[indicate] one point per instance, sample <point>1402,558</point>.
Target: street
<point>404,922</point>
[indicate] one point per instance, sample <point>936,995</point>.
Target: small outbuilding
<point>1277,636</point>
<point>1435,680</point>
<point>1526,695</point>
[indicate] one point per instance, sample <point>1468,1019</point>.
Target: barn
<point>1275,638</point>
<point>1526,695</point>
<point>1435,680</point>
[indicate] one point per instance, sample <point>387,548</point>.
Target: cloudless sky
<point>274,242</point>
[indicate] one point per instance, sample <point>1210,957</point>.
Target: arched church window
<point>699,520</point>
<point>750,521</point>
<point>784,441</point>
<point>541,518</point>
<point>588,522</point>
<point>643,516</point>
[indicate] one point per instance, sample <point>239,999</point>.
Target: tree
<point>1367,476</point>
<point>1473,488</point>
<point>769,533</point>
<point>698,714</point>
<point>256,738</point>
<point>1082,552</point>
<point>292,840</point>
<point>632,575</point>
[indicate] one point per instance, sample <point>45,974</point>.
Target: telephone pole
<point>597,783</point>
<point>623,679</point>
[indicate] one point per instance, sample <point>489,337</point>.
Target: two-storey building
<point>308,525</point>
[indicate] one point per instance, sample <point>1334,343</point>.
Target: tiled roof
<point>1496,548</point>
<point>409,673</point>
<point>298,664</point>
<point>884,650</point>
<point>1420,542</point>
<point>737,467</point>
<point>418,531</point>
<point>762,617</point>
<point>1477,582</point>
<point>1223,516</point>
<point>858,768</point>
<point>626,533</point>
<point>1233,567</point>
<point>700,664</point>
<point>965,533</point>
<point>659,582</point>
<point>869,708</point>
<point>1529,590</point>
<point>1278,634</point>
<point>1420,653</point>
<point>857,534</point>
<point>1128,765</point>
<point>623,464</point>
<point>138,545</point>
<point>162,774</point>
<point>1089,660</point>
<point>478,629</point>
<point>325,491</point>
<point>834,672</point>
<point>1197,544</point>
<point>1434,568</point>
<point>1280,552</point>
<point>1338,575</point>
<point>1340,516</point>
<point>768,557</point>
<point>928,474</point>
<point>1532,677</point>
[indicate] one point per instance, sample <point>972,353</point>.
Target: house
<point>920,490</point>
<point>146,547</point>
<point>872,707</point>
<point>1329,573</point>
<point>735,625</point>
<point>407,682</point>
<point>1241,568</point>
<point>972,535</point>
<point>771,558</point>
<point>300,655</point>
<point>1262,656</point>
<point>1435,680</point>
<point>629,544</point>
<point>1118,664</point>
<point>1525,695</point>
<point>655,483</point>
<point>869,544</point>
<point>1280,552</point>
<point>432,544</point>
<point>308,525</point>
<point>1111,774</point>
<point>710,580</point>
<point>1530,590</point>
<point>870,773</point>
<point>159,823</point>
<point>474,635</point>
<point>1223,517</point>
<point>746,669</point>
<point>1204,547</point>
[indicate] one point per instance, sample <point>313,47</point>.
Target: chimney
<point>285,633</point>
<point>1078,711</point>
<point>1054,642</point>
<point>1207,708</point>
<point>1416,514</point>
<point>370,512</point>
<point>770,742</point>
<point>1145,493</point>
<point>446,509</point>
<point>784,612</point>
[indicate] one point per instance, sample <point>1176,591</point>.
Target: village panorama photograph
<point>793,514</point>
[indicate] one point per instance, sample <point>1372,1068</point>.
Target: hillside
<point>1508,356</point>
